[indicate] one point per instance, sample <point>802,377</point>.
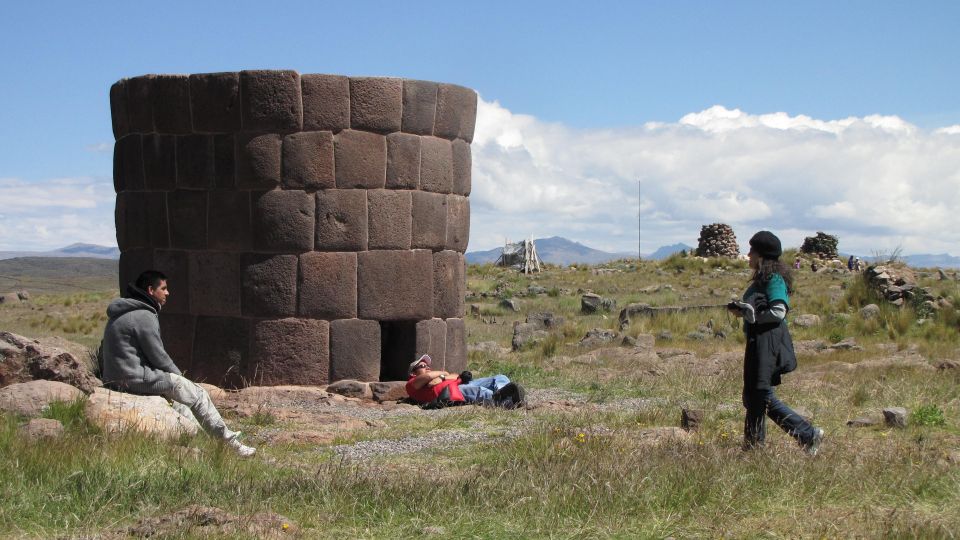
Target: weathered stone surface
<point>895,417</point>
<point>132,263</point>
<point>170,95</point>
<point>432,340</point>
<point>535,329</point>
<point>270,101</point>
<point>351,388</point>
<point>159,161</point>
<point>403,161</point>
<point>806,320</point>
<point>390,219</point>
<point>139,104</point>
<point>449,284</point>
<point>462,167</point>
<point>456,112</point>
<point>225,161</point>
<point>229,221</point>
<point>341,220</point>
<point>131,218</point>
<point>458,223</point>
<point>23,359</point>
<point>283,221</point>
<point>195,162</point>
<point>174,265</point>
<point>158,228</point>
<point>692,419</point>
<point>375,103</point>
<point>269,286</point>
<point>118,109</point>
<point>215,102</point>
<point>221,352</point>
<point>862,421</point>
<point>308,160</point>
<point>258,161</point>
<point>456,355</point>
<point>509,304</point>
<point>178,332</point>
<point>436,165</point>
<point>869,311</point>
<point>388,391</point>
<point>326,102</point>
<point>717,240</point>
<point>429,220</point>
<point>597,337</point>
<point>592,303</point>
<point>419,106</point>
<point>128,164</point>
<point>187,211</point>
<point>290,351</point>
<point>214,283</point>
<point>116,412</point>
<point>41,428</point>
<point>328,285</point>
<point>361,159</point>
<point>354,350</point>
<point>395,285</point>
<point>30,398</point>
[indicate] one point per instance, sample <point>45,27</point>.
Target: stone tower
<point>312,227</point>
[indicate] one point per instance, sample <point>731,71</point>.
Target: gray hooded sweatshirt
<point>134,359</point>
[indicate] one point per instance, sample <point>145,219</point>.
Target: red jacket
<point>426,394</point>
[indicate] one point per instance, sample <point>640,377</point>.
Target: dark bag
<point>442,401</point>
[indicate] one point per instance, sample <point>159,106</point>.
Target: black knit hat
<point>766,244</point>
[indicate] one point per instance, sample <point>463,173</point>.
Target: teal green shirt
<point>776,290</point>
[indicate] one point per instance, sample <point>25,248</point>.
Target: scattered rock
<point>31,398</point>
<point>42,428</point>
<point>869,311</point>
<point>691,419</point>
<point>534,290</point>
<point>941,274</point>
<point>25,359</point>
<point>388,391</point>
<point>807,320</point>
<point>665,335</point>
<point>846,344</point>
<point>592,303</point>
<point>115,412</point>
<point>895,417</point>
<point>948,364</point>
<point>862,421</point>
<point>203,522</point>
<point>23,296</point>
<point>351,388</point>
<point>597,337</point>
<point>645,342</point>
<point>534,330</point>
<point>510,304</point>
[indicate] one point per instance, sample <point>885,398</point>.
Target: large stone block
<point>229,221</point>
<point>175,265</point>
<point>214,283</point>
<point>269,286</point>
<point>188,219</point>
<point>283,221</point>
<point>390,219</point>
<point>436,165</point>
<point>258,161</point>
<point>326,102</point>
<point>403,161</point>
<point>160,162</point>
<point>221,352</point>
<point>456,112</point>
<point>308,160</point>
<point>354,350</point>
<point>419,106</point>
<point>395,285</point>
<point>462,167</point>
<point>341,220</point>
<point>270,101</point>
<point>290,351</point>
<point>139,104</point>
<point>132,222</point>
<point>118,109</point>
<point>132,263</point>
<point>171,104</point>
<point>225,163</point>
<point>177,331</point>
<point>458,222</point>
<point>375,103</point>
<point>432,340</point>
<point>456,357</point>
<point>328,285</point>
<point>215,102</point>
<point>196,162</point>
<point>449,284</point>
<point>158,228</point>
<point>361,159</point>
<point>429,220</point>
<point>128,164</point>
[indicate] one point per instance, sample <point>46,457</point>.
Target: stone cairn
<point>717,240</point>
<point>898,285</point>
<point>822,246</point>
<point>312,227</point>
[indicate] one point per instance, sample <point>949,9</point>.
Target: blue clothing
<point>761,403</point>
<point>481,390</point>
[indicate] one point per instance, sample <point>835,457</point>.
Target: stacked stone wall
<point>295,216</point>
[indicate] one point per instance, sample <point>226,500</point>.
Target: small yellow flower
<point>285,526</point>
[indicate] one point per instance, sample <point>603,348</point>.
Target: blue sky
<point>579,79</point>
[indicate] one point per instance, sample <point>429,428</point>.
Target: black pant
<point>761,403</point>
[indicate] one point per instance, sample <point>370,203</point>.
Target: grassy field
<point>569,472</point>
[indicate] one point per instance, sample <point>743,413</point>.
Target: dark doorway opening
<point>398,344</point>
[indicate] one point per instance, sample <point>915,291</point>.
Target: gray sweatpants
<point>190,398</point>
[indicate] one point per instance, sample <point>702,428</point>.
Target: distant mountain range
<point>558,250</point>
<point>91,251</point>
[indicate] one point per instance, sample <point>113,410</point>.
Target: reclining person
<point>135,361</point>
<point>438,388</point>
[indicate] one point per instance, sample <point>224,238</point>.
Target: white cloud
<point>99,147</point>
<point>877,182</point>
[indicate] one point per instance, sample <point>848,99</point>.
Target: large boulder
<point>23,359</point>
<point>592,303</point>
<point>116,412</point>
<point>32,397</point>
<point>41,428</point>
<point>535,329</point>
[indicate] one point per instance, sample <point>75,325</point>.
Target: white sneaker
<point>241,449</point>
<point>813,446</point>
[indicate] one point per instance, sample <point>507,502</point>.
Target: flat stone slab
<point>116,412</point>
<point>31,398</point>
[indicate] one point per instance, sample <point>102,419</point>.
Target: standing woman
<point>769,351</point>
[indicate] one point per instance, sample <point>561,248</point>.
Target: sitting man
<point>438,388</point>
<point>135,361</point>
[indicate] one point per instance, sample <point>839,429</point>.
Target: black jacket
<point>769,352</point>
